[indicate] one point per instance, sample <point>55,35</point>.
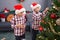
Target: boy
<point>36,16</point>
<point>18,22</point>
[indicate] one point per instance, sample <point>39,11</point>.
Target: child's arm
<point>13,24</point>
<point>22,25</point>
<point>44,12</point>
<point>12,21</point>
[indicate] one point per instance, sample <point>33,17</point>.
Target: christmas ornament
<point>58,21</point>
<point>41,28</point>
<point>6,10</point>
<point>54,6</point>
<point>43,21</point>
<point>54,24</point>
<point>55,39</point>
<point>39,36</point>
<point>45,29</point>
<point>53,16</point>
<point>52,21</point>
<point>10,17</point>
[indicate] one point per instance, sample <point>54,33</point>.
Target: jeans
<point>20,37</point>
<point>34,34</point>
<point>29,26</point>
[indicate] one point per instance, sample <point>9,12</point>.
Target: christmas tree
<point>50,25</point>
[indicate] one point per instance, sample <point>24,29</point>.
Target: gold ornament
<point>54,39</point>
<point>58,21</point>
<point>10,17</point>
<point>54,6</point>
<point>52,21</point>
<point>54,24</point>
<point>40,36</point>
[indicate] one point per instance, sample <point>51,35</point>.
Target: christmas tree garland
<point>52,29</point>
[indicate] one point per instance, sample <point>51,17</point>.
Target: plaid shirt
<point>18,20</point>
<point>36,20</point>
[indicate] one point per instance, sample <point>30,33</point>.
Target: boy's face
<point>20,14</point>
<point>37,9</point>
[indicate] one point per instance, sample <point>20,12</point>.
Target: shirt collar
<point>35,13</point>
<point>18,16</point>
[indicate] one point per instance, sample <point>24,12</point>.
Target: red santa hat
<point>19,8</point>
<point>35,5</point>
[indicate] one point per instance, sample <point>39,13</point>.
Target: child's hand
<point>20,26</point>
<point>46,10</point>
<point>17,25</point>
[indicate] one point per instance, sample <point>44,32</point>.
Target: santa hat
<point>35,5</point>
<point>19,8</point>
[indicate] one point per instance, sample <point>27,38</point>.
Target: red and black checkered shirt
<point>18,20</point>
<point>36,20</point>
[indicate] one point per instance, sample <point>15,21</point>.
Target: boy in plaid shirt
<point>36,16</point>
<point>18,22</point>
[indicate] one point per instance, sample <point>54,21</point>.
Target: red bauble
<point>41,28</point>
<point>53,16</point>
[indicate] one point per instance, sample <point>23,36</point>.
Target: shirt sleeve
<point>43,15</point>
<point>12,21</point>
<point>26,17</point>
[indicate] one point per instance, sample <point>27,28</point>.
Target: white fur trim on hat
<point>33,7</point>
<point>21,10</point>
